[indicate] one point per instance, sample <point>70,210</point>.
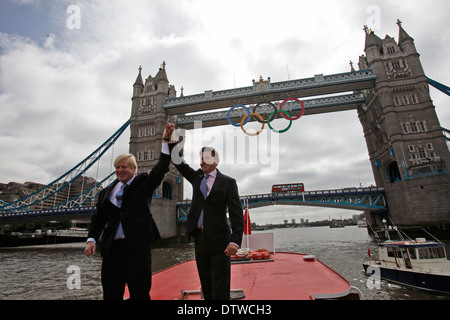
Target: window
<point>166,191</point>
<point>413,159</point>
<point>422,126</point>
<point>438,253</point>
<point>422,153</point>
<point>414,126</point>
<point>145,132</point>
<point>394,172</point>
<point>412,253</point>
<point>431,253</point>
<point>391,252</point>
<point>403,100</point>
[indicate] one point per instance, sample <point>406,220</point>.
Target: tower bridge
<point>407,148</point>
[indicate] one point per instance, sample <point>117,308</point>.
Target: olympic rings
<point>237,124</point>
<point>260,130</point>
<point>289,118</point>
<point>272,116</point>
<point>269,118</point>
<point>282,113</point>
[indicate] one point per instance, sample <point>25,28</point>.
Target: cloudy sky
<point>67,69</point>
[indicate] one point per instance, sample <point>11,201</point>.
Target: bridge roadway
<point>359,199</point>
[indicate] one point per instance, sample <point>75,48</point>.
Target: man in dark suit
<point>125,223</point>
<point>213,193</point>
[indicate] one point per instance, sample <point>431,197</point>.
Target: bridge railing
<point>57,212</point>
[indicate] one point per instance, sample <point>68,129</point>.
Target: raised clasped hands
<point>168,131</point>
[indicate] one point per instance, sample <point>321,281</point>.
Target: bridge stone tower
<point>407,149</point>
<point>148,119</point>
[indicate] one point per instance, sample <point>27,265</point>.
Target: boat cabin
<point>414,254</point>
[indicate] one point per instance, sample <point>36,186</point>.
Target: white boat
<point>362,223</point>
<point>418,263</point>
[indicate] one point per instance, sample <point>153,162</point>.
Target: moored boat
<point>418,263</point>
<point>39,237</point>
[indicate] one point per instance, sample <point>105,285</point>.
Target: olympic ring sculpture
<point>246,118</point>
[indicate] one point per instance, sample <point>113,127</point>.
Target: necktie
<point>204,190</point>
<point>119,232</point>
<point>119,195</point>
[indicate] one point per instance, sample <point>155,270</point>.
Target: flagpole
<point>248,227</point>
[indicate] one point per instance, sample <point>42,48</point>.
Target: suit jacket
<point>224,194</point>
<point>137,222</point>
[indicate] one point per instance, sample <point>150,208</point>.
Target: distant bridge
<point>360,199</point>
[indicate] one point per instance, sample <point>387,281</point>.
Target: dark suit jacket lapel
<point>217,182</point>
<point>108,190</point>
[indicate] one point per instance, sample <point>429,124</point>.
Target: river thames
<point>46,272</point>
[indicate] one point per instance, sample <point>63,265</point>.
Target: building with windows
<point>148,119</point>
<point>407,149</point>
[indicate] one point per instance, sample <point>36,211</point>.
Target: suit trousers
<point>124,265</point>
<point>214,270</point>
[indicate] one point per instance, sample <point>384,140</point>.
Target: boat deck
<point>284,276</point>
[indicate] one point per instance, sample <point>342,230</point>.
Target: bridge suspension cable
<point>439,86</point>
<point>446,134</point>
<point>66,180</point>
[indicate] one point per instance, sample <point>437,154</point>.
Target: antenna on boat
<point>431,235</point>
<point>375,233</point>
<point>401,234</point>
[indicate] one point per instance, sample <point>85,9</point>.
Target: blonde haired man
<point>125,223</point>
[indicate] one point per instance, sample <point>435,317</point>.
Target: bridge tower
<point>407,149</point>
<point>148,119</point>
